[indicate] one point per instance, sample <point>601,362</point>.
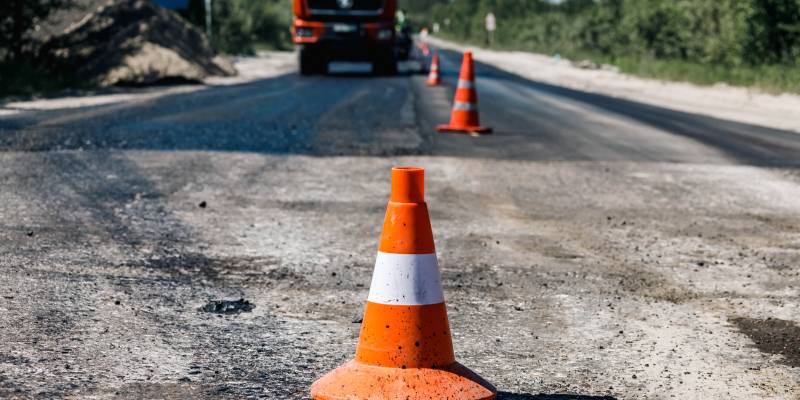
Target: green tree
<point>774,31</point>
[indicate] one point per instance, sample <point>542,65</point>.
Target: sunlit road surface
<point>591,246</point>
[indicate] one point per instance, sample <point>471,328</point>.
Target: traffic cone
<point>433,76</point>
<point>425,49</point>
<point>404,350</point>
<point>464,117</point>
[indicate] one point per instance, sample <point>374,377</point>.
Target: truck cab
<point>347,30</point>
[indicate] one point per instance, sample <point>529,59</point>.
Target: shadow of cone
<point>404,349</point>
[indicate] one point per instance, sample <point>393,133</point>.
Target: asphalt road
<point>353,113</point>
<point>592,247</point>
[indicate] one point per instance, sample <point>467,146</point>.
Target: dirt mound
<point>136,42</point>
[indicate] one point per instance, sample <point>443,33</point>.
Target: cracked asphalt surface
<point>219,243</point>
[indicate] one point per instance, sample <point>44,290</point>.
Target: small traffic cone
<point>404,350</point>
<point>433,76</point>
<point>464,117</point>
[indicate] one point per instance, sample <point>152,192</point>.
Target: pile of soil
<point>134,42</point>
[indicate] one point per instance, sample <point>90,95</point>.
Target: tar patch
<point>228,306</point>
<point>773,336</point>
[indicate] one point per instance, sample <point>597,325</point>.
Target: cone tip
<point>408,185</point>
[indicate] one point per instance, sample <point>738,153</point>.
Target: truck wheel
<point>385,66</point>
<point>305,67</point>
<point>311,63</point>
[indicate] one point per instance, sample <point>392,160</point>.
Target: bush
<point>242,26</point>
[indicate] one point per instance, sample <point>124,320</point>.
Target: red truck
<point>348,30</point>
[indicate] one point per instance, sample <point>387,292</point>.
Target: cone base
<point>355,380</point>
<point>464,129</point>
<point>432,83</point>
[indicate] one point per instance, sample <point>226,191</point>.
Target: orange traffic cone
<point>464,117</point>
<point>425,49</point>
<point>433,76</point>
<point>404,350</point>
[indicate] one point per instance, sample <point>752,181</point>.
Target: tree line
<point>748,42</point>
<point>727,32</point>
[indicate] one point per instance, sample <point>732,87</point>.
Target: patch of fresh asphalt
<point>590,248</point>
<point>774,336</point>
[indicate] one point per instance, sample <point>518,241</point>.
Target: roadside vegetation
<point>244,26</point>
<point>739,42</point>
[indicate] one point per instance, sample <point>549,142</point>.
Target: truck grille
<point>346,7</point>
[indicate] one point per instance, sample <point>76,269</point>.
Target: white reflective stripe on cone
<point>406,279</point>
<point>465,106</point>
<point>462,84</point>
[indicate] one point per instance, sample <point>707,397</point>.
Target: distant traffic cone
<point>404,350</point>
<point>464,117</point>
<point>433,76</point>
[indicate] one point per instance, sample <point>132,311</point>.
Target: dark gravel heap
<point>135,42</point>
